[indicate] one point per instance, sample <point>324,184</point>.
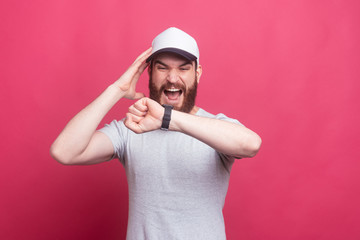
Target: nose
<point>173,76</point>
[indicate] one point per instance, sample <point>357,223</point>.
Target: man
<point>178,178</point>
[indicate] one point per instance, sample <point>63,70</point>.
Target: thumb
<point>139,95</point>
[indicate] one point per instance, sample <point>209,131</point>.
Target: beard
<point>189,94</point>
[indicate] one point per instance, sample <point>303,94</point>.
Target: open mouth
<point>173,93</point>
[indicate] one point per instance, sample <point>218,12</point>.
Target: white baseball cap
<point>176,41</point>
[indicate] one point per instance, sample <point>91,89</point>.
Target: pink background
<point>289,70</point>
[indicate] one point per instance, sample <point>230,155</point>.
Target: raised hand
<point>127,82</point>
<point>145,115</point>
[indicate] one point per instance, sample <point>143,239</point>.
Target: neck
<point>194,110</point>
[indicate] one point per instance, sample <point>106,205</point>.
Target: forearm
<point>228,138</point>
<point>75,137</point>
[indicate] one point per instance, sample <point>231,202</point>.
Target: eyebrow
<point>160,62</point>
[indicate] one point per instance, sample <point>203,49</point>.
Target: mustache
<point>173,85</point>
<point>189,96</point>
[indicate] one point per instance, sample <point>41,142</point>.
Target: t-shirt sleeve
<point>117,132</point>
<point>222,116</point>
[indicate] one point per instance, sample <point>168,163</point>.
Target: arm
<point>228,138</point>
<point>79,143</point>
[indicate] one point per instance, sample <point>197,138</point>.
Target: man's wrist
<point>116,90</point>
<point>167,117</point>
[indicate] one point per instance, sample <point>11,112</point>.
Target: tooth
<point>173,90</point>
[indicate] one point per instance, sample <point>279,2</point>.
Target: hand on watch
<point>144,115</point>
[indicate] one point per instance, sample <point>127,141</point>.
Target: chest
<point>172,158</point>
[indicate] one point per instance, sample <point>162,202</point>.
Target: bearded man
<point>177,156</point>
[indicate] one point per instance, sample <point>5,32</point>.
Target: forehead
<point>171,58</point>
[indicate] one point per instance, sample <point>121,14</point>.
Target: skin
<point>172,73</point>
<point>80,143</point>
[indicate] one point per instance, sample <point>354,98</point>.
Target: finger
<point>143,66</point>
<point>142,59</point>
<point>134,111</point>
<point>137,68</point>
<point>131,124</point>
<point>136,119</point>
<point>137,72</point>
<point>128,120</point>
<point>141,105</point>
<point>146,54</point>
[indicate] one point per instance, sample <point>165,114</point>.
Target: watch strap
<point>167,117</point>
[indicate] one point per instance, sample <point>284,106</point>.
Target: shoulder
<point>202,113</point>
<point>115,125</point>
<point>115,130</point>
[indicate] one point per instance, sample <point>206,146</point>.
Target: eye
<point>184,68</point>
<point>161,67</point>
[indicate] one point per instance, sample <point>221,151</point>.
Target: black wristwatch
<point>167,117</point>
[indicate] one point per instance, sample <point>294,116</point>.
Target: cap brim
<point>180,52</point>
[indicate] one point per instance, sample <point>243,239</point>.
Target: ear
<point>198,73</point>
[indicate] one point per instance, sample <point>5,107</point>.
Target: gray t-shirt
<point>177,184</point>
